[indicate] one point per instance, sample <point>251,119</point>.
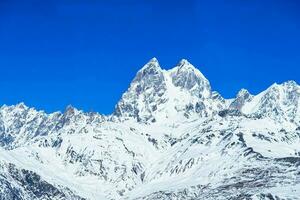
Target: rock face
<point>23,184</point>
<point>187,77</point>
<point>242,97</point>
<point>170,137</point>
<point>146,93</point>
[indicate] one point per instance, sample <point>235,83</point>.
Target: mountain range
<point>171,136</point>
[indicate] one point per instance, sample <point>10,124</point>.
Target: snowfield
<point>170,137</point>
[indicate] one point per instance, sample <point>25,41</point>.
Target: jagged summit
<point>290,83</point>
<point>185,75</point>
<point>70,110</point>
<point>152,64</point>
<point>286,86</point>
<point>243,92</point>
<point>21,105</point>
<point>149,72</point>
<point>185,66</point>
<point>18,108</point>
<point>146,90</point>
<point>242,97</point>
<point>182,89</point>
<point>279,101</point>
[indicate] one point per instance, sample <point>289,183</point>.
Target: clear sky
<point>85,53</point>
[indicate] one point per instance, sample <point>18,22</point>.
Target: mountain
<point>157,95</point>
<point>170,137</point>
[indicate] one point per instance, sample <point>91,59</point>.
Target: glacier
<point>171,136</point>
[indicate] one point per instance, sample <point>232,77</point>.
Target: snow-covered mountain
<point>157,95</point>
<point>170,137</point>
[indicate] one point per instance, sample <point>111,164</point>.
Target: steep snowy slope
<point>170,137</point>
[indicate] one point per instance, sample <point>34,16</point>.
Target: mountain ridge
<point>171,137</point>
<point>182,62</point>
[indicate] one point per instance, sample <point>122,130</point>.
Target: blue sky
<point>85,53</point>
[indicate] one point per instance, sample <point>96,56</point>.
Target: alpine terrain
<point>171,136</point>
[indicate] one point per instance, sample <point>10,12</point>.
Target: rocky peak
<point>243,93</point>
<point>152,68</point>
<point>185,66</point>
<point>70,110</point>
<point>18,108</point>
<point>73,115</point>
<point>144,94</point>
<point>286,93</point>
<point>186,76</point>
<point>290,83</point>
<point>182,89</point>
<point>279,101</point>
<point>21,105</point>
<point>242,97</point>
<point>150,76</point>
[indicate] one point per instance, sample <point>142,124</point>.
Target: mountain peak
<point>154,59</point>
<point>185,66</point>
<point>243,93</point>
<point>146,89</point>
<point>70,110</point>
<point>283,88</point>
<point>155,89</point>
<point>290,83</point>
<point>185,75</point>
<point>279,101</point>
<point>151,64</point>
<point>21,105</point>
<point>242,97</point>
<point>148,71</point>
<point>184,62</point>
